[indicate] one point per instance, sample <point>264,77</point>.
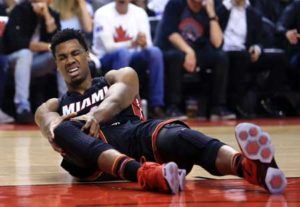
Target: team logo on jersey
<point>138,109</point>
<point>94,98</point>
<point>121,35</point>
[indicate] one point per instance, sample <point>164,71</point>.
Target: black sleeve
<point>56,17</point>
<point>2,10</point>
<point>16,34</point>
<point>223,14</point>
<point>46,37</point>
<point>288,18</point>
<point>257,34</point>
<point>267,8</point>
<point>254,27</point>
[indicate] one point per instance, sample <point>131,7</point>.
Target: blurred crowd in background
<point>203,59</point>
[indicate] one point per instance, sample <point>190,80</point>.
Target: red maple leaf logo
<point>121,35</point>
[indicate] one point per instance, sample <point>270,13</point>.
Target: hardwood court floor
<point>30,174</point>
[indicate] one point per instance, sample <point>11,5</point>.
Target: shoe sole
<point>181,175</point>
<point>171,176</point>
<point>256,145</point>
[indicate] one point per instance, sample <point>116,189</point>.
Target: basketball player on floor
<point>98,128</point>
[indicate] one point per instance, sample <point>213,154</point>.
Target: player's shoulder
<point>53,100</point>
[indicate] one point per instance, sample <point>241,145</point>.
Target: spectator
<point>8,5</point>
<point>218,3</point>
<point>99,3</point>
<point>122,37</point>
<point>289,28</point>
<point>270,9</point>
<point>191,37</point>
<point>242,25</point>
<point>76,14</point>
<point>158,6</point>
<point>144,4</point>
<point>4,118</point>
<point>271,12</point>
<point>153,19</point>
<point>27,35</point>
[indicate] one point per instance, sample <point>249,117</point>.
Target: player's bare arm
<point>121,93</point>
<point>47,118</point>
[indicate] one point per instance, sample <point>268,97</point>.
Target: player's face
<point>72,62</point>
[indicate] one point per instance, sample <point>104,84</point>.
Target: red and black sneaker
<point>156,177</point>
<point>258,163</point>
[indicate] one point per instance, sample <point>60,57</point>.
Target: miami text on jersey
<point>82,104</point>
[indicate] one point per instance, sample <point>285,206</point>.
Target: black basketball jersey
<point>82,104</point>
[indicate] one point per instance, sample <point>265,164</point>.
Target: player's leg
<point>89,153</point>
<point>256,161</point>
<point>187,147</point>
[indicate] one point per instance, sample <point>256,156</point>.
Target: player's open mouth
<point>73,70</point>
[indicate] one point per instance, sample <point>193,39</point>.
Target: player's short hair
<point>65,35</point>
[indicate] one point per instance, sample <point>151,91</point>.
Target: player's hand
<point>49,131</point>
<point>91,124</point>
<point>190,62</point>
<point>292,36</point>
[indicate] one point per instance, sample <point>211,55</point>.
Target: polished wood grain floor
<point>30,174</point>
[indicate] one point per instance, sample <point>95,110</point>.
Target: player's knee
<point>63,128</point>
<point>60,128</point>
<point>196,138</point>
